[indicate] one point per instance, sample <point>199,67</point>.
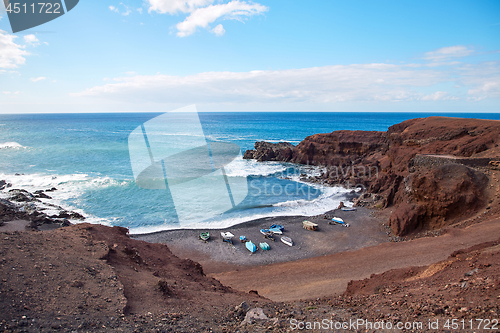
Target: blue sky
<point>157,55</point>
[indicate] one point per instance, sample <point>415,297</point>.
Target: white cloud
<point>31,39</point>
<point>11,93</point>
<point>202,17</point>
<point>483,80</point>
<point>328,84</point>
<point>218,30</point>
<point>36,79</point>
<point>446,53</point>
<point>203,12</point>
<point>11,54</point>
<point>176,6</point>
<point>126,9</point>
<point>489,88</point>
<point>437,96</point>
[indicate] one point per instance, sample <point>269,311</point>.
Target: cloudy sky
<point>270,55</point>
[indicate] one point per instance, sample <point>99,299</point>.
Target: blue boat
<point>251,246</point>
<point>267,233</point>
<point>264,246</point>
<point>278,226</point>
<point>338,220</point>
<point>243,239</point>
<point>275,229</point>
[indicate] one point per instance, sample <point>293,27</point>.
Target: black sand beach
<point>217,256</point>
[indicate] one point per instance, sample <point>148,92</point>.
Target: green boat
<point>204,236</point>
<point>264,246</point>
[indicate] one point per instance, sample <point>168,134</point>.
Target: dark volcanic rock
<point>40,194</point>
<point>69,215</point>
<point>8,211</point>
<point>339,148</point>
<point>4,184</point>
<point>267,151</point>
<point>21,196</point>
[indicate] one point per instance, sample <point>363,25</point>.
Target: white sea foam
<point>68,187</point>
<point>11,145</point>
<point>243,168</point>
<point>328,200</point>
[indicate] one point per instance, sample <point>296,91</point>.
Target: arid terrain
<point>423,249</point>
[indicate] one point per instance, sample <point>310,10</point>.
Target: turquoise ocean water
<point>86,157</point>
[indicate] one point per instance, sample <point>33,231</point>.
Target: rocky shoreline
<point>21,205</point>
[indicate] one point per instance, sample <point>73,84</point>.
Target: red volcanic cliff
<point>432,171</point>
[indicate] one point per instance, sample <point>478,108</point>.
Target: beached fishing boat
<point>243,239</point>
<point>278,226</point>
<point>227,237</point>
<point>276,229</point>
<point>264,246</point>
<point>204,236</point>
<point>340,221</point>
<point>308,225</point>
<point>267,233</point>
<point>348,209</point>
<point>287,240</point>
<point>251,246</point>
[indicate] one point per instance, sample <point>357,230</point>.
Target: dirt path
<point>328,275</point>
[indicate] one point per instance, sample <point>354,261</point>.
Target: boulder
<point>255,315</point>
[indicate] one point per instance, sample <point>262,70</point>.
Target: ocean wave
<point>11,145</point>
<point>243,168</point>
<point>278,141</point>
<point>328,200</point>
<point>69,187</point>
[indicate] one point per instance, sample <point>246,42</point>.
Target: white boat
<point>348,209</point>
<point>287,240</point>
<point>227,237</point>
<point>309,225</point>
<point>338,220</point>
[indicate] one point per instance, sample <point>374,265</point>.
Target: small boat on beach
<point>276,229</point>
<point>267,233</point>
<point>227,237</point>
<point>338,220</point>
<point>348,209</point>
<point>264,246</point>
<point>251,246</point>
<point>308,225</point>
<point>287,240</point>
<point>204,236</point>
<point>243,239</point>
<point>277,226</point>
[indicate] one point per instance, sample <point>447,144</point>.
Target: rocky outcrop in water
<point>431,169</point>
<point>267,151</point>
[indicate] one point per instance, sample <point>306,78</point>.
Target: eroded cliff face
<point>431,170</point>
